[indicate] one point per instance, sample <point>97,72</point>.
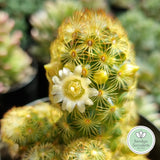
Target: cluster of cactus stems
<point>92,77</point>
<point>46,21</point>
<point>14,62</point>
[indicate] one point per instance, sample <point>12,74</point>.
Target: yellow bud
<point>100,77</point>
<point>128,69</point>
<point>52,68</point>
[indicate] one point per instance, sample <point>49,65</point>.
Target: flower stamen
<point>73,89</point>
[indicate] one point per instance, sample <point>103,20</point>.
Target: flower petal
<point>61,73</point>
<point>87,81</point>
<point>93,92</point>
<point>64,104</point>
<point>57,98</point>
<point>70,106</point>
<point>89,102</point>
<point>79,103</point>
<point>55,80</point>
<point>78,70</point>
<point>56,89</point>
<point>81,108</point>
<point>65,71</point>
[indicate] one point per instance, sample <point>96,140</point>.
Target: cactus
<point>14,62</point>
<point>151,8</point>
<point>92,76</point>
<point>147,40</point>
<point>43,151</point>
<point>149,75</point>
<point>91,64</point>
<point>86,149</point>
<point>29,125</point>
<point>94,4</point>
<point>46,21</point>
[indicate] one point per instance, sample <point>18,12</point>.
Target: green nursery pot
<point>20,94</point>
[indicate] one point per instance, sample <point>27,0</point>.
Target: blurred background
<point>27,28</point>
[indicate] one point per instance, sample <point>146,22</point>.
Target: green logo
<point>141,140</point>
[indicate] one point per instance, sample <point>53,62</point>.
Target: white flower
<point>72,90</point>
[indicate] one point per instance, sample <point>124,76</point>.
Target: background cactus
<point>92,76</point>
<point>124,4</point>
<point>20,11</point>
<point>147,40</point>
<point>147,107</point>
<point>149,75</point>
<point>151,8</point>
<point>46,21</point>
<point>14,62</point>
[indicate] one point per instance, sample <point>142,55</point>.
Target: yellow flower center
<point>73,89</point>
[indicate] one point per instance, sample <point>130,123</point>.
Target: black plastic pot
<point>21,94</point>
<point>155,153</point>
<point>43,84</point>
